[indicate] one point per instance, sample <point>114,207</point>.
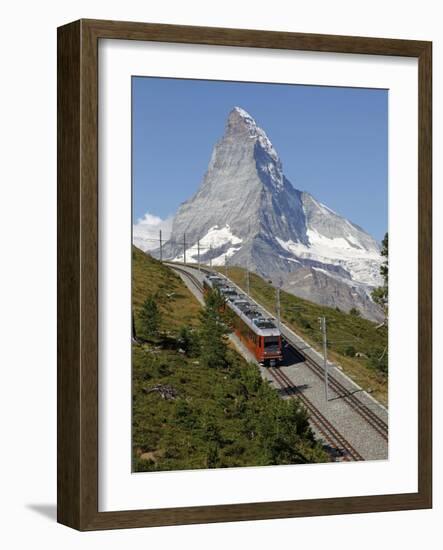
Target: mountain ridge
<point>246,212</point>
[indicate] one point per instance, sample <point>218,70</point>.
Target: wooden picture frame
<point>78,274</point>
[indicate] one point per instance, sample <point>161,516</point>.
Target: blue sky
<point>332,142</point>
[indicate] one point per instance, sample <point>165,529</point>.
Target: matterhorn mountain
<point>247,213</point>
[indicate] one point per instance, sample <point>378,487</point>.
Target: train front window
<point>271,343</point>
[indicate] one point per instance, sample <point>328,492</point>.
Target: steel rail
<point>324,426</point>
<point>318,419</point>
<point>378,424</point>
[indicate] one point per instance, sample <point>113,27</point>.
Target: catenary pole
<point>198,254</point>
<point>247,280</point>
<point>184,248</point>
<point>325,356</point>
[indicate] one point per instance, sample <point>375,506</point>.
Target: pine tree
<point>150,318</point>
<point>380,294</point>
<point>213,331</point>
<point>189,341</point>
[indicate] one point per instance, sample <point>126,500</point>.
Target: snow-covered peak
<point>255,132</point>
<point>245,115</point>
<point>247,213</point>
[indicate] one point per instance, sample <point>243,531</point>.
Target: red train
<point>257,332</point>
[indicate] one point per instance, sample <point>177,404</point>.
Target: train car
<point>257,332</point>
<point>212,282</point>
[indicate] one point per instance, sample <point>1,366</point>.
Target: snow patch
<point>362,264</point>
<point>322,270</point>
<point>289,259</point>
<point>325,209</point>
<point>219,236</point>
<point>275,173</point>
<point>221,260</point>
<point>215,238</point>
<point>256,132</point>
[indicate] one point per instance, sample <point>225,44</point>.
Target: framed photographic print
<point>244,275</point>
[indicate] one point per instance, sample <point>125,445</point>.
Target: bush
<point>379,361</point>
<point>213,331</point>
<point>305,323</point>
<point>189,342</point>
<point>150,318</point>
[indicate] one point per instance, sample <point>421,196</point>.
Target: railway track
<point>323,425</point>
<point>190,276</point>
<point>331,435</point>
<point>368,415</point>
<point>371,418</point>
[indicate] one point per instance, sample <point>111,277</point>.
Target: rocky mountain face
<point>247,213</point>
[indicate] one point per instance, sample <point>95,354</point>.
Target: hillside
<point>177,304</point>
<point>348,334</point>
<point>186,415</point>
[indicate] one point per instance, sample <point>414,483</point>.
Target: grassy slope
<point>344,330</point>
<point>177,305</point>
<point>219,418</point>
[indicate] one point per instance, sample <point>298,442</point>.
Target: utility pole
<point>325,356</point>
<point>247,280</point>
<point>184,248</point>
<point>161,246</point>
<point>277,297</point>
<point>198,254</point>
